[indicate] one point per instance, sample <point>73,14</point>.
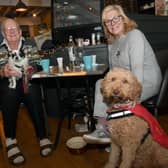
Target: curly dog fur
<point>121,87</point>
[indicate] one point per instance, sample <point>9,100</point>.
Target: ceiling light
<point>34,15</point>
<point>21,7</point>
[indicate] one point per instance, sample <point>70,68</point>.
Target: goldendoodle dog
<point>137,139</point>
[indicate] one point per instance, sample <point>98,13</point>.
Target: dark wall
<point>100,51</point>
<point>155,28</point>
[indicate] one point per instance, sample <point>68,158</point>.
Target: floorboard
<point>61,158</point>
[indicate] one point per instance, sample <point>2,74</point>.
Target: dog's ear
<point>137,87</point>
<point>103,86</point>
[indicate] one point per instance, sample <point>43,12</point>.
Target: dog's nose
<point>116,92</point>
<point>16,58</point>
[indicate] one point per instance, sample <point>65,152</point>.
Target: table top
<point>98,69</point>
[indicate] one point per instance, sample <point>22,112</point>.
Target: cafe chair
<point>159,101</point>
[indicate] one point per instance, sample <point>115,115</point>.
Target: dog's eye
<point>125,81</point>
<point>113,79</point>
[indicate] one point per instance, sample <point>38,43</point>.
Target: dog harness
<point>119,114</point>
<point>125,113</point>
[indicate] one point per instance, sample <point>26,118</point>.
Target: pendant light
<point>21,7</point>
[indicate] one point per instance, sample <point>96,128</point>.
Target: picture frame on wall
<point>161,7</point>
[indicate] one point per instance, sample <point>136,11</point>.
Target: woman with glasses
<point>127,48</point>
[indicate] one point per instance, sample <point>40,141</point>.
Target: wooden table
<point>97,71</point>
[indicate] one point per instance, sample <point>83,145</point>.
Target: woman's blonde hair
<point>129,24</point>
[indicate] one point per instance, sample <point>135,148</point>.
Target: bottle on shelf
<point>93,38</point>
<point>79,57</point>
<point>98,38</point>
<point>72,53</point>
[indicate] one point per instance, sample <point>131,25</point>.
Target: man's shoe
<point>99,136</point>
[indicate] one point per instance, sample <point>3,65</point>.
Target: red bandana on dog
<point>157,132</point>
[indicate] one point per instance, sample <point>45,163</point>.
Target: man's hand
<point>9,71</point>
<point>29,71</point>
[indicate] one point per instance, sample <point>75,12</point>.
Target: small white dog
<point>19,64</point>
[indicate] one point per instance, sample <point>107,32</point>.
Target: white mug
<point>60,64</point>
<point>93,59</point>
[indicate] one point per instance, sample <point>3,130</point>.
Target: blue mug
<point>45,63</point>
<point>87,60</point>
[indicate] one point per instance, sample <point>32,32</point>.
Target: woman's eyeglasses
<point>113,21</point>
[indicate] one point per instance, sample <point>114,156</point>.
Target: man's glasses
<point>11,28</point>
<point>113,21</point>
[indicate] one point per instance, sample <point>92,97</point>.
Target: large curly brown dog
<point>132,143</point>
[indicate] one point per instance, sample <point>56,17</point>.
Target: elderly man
<point>15,46</point>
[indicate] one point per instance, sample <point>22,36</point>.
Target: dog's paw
<point>12,83</point>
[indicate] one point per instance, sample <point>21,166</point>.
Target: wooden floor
<point>61,158</point>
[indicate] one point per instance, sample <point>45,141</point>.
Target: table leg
<point>91,121</point>
<point>58,132</point>
<point>44,108</point>
<point>61,115</point>
<point>70,102</point>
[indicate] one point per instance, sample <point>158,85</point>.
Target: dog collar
<point>119,114</point>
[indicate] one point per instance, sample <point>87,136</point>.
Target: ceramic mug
<point>87,60</point>
<point>60,64</point>
<point>94,60</point>
<point>45,63</point>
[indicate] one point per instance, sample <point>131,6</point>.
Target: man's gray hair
<point>2,26</point>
